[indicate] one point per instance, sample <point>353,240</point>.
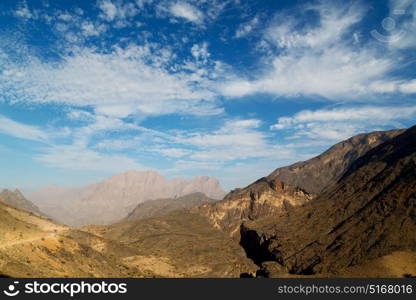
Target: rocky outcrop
<point>263,198</point>
<point>369,213</point>
<point>318,173</point>
<point>158,207</point>
<point>16,199</point>
<point>114,198</point>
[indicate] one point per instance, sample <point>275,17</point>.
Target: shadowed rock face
<point>158,207</point>
<point>16,199</point>
<point>369,213</point>
<point>114,198</point>
<point>318,173</point>
<point>263,198</point>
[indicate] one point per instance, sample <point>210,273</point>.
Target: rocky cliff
<point>316,174</point>
<point>369,213</point>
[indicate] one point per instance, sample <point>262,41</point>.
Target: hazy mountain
<point>16,199</point>
<point>114,198</point>
<point>158,207</point>
<point>369,213</point>
<point>316,174</point>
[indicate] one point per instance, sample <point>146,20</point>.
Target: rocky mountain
<point>179,244</point>
<point>368,214</point>
<point>114,198</point>
<point>16,199</point>
<point>34,246</point>
<point>264,197</point>
<point>316,174</point>
<point>158,207</point>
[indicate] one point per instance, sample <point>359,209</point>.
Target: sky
<point>231,89</point>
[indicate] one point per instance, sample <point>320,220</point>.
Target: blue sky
<point>231,89</point>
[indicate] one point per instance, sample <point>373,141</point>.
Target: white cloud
<point>121,83</point>
<point>74,157</point>
<point>23,11</point>
<point>402,20</point>
<point>109,10</point>
<point>246,28</point>
<point>200,52</point>
<point>341,123</point>
<point>321,60</point>
<point>19,130</point>
<point>186,11</point>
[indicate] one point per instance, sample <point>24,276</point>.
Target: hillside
<point>368,214</point>
<point>179,244</point>
<point>265,197</point>
<point>33,246</point>
<point>158,207</point>
<point>316,174</point>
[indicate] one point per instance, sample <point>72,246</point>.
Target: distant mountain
<point>369,213</point>
<point>16,199</point>
<point>114,198</point>
<point>316,174</point>
<point>158,207</point>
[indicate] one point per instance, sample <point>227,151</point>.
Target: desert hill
<point>369,213</point>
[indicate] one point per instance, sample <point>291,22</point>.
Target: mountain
<point>114,198</point>
<point>368,214</point>
<point>34,246</point>
<point>16,199</point>
<point>158,207</point>
<point>264,197</point>
<point>179,244</point>
<point>316,174</point>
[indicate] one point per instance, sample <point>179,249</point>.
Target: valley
<point>349,212</point>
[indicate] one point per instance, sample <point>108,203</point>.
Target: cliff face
<point>114,198</point>
<point>369,213</point>
<point>318,173</point>
<point>263,198</point>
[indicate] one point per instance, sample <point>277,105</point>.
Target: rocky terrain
<point>265,197</point>
<point>316,174</point>
<point>114,198</point>
<point>34,246</point>
<point>179,244</point>
<point>158,207</point>
<point>369,213</point>
<point>357,219</point>
<point>16,199</point>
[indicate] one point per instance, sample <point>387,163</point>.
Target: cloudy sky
<point>231,88</point>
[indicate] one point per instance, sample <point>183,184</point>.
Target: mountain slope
<point>158,207</point>
<point>263,198</point>
<point>369,213</point>
<point>179,244</point>
<point>114,198</point>
<point>16,199</point>
<point>316,174</point>
<point>33,246</point>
